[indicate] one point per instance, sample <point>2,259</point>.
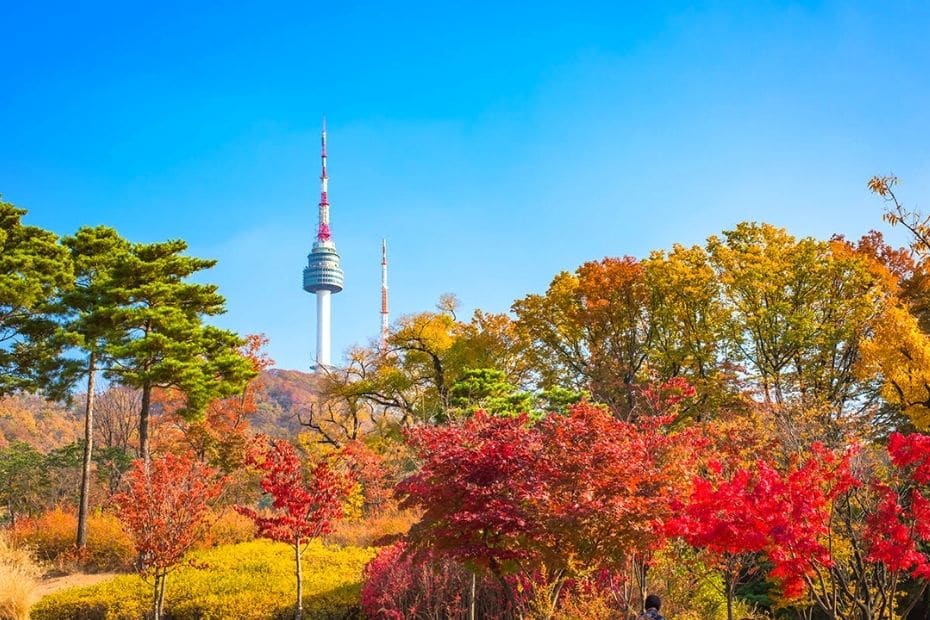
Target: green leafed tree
<point>91,304</point>
<point>797,312</point>
<point>163,340</point>
<point>487,389</point>
<point>34,268</point>
<point>23,479</point>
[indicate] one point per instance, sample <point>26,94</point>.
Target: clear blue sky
<point>492,144</point>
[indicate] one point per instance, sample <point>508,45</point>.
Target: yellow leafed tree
<point>899,352</point>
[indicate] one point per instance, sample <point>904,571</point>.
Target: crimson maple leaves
<point>570,496</point>
<point>306,499</point>
<point>900,525</point>
<point>561,498</point>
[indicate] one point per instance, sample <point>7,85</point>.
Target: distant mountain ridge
<point>46,425</point>
<point>282,395</point>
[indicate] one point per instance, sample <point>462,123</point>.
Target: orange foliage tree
<point>165,508</point>
<point>221,435</point>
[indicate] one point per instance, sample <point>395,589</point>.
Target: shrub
<point>374,531</point>
<point>18,581</point>
<point>398,586</point>
<point>590,605</point>
<point>52,535</point>
<point>250,581</point>
<point>227,527</point>
<point>689,587</point>
<point>109,547</point>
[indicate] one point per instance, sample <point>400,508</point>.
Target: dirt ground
<point>54,584</point>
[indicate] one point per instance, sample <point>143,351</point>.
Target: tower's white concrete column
<point>322,327</point>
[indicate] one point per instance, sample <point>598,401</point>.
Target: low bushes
<point>250,581</point>
<point>227,527</point>
<point>52,536</point>
<point>18,580</point>
<point>376,530</point>
<point>399,587</point>
<point>402,586</point>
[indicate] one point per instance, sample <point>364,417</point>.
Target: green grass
<point>250,580</point>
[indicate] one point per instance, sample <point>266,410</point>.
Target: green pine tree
<point>163,340</point>
<point>91,304</point>
<point>34,269</point>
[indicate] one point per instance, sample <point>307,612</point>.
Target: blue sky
<point>492,144</point>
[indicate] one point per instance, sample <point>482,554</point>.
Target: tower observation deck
<point>323,276</point>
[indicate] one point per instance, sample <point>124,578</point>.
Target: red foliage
<point>664,399</point>
<point>473,486</point>
<point>165,508</point>
<point>601,488</point>
<point>893,533</point>
<point>900,525</point>
<point>303,506</point>
<point>562,499</point>
<point>402,586</point>
<point>911,453</point>
<point>758,509</point>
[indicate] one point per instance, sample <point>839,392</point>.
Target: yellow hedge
<point>253,580</point>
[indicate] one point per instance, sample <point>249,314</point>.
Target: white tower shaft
<point>323,324</point>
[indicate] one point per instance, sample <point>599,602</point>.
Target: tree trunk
<point>728,584</point>
<point>84,504</point>
<point>554,595</point>
<point>641,571</point>
<point>299,610</point>
<point>158,596</point>
<point>144,452</point>
<point>471,598</point>
<point>508,594</point>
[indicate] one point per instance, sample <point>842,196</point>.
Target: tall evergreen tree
<point>91,303</point>
<point>163,340</point>
<point>34,268</point>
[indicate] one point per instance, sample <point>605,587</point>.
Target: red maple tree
<point>165,508</point>
<point>564,498</point>
<point>899,530</point>
<point>602,494</point>
<point>472,486</point>
<point>747,512</point>
<point>306,499</point>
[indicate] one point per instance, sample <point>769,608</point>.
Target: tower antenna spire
<point>323,233</point>
<point>384,295</point>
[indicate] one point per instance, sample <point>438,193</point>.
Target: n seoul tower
<point>323,276</point>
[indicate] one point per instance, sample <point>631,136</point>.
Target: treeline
<point>829,330</point>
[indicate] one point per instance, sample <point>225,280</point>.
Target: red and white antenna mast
<point>323,233</point>
<point>384,295</point>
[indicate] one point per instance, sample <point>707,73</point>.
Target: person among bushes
<point>652,605</point>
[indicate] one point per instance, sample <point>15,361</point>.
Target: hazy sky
<point>492,144</point>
